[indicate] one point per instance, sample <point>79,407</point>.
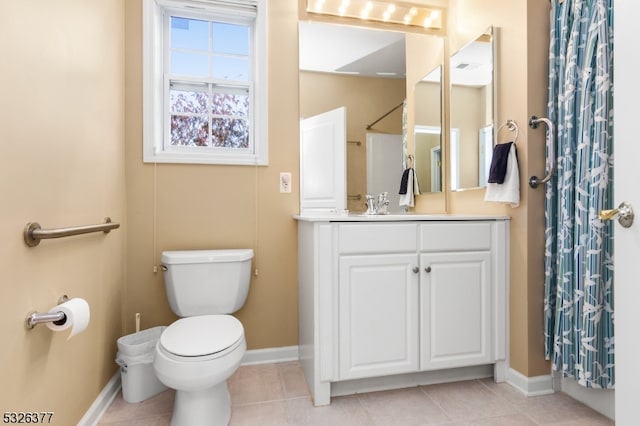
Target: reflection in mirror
<point>472,112</point>
<point>364,70</point>
<point>427,131</point>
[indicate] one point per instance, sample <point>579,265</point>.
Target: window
<point>205,81</point>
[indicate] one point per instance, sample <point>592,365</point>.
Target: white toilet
<point>199,352</point>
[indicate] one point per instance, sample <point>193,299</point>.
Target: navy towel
<point>404,181</point>
<point>498,168</point>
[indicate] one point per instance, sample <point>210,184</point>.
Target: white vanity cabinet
<point>400,300</point>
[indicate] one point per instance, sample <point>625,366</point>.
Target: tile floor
<point>277,394</point>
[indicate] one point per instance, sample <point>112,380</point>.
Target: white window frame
<point>155,100</point>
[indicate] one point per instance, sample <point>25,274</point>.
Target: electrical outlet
<point>285,182</point>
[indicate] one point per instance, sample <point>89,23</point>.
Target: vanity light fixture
<point>379,11</point>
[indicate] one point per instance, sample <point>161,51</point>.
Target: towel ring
<point>510,125</point>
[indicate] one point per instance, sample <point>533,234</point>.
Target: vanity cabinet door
<point>378,315</point>
<point>455,309</point>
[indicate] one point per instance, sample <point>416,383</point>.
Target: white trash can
<point>135,358</point>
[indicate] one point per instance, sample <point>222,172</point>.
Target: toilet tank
<point>204,282</point>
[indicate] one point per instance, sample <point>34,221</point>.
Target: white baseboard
<point>531,386</point>
<point>271,355</point>
<point>102,402</point>
<point>373,384</point>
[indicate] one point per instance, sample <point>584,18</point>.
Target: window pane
<point>189,34</point>
<point>189,131</point>
<point>190,64</point>
<point>186,101</point>
<point>229,38</point>
<point>230,133</point>
<point>230,68</point>
<point>230,104</point>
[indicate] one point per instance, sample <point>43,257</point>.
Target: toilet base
<point>208,407</point>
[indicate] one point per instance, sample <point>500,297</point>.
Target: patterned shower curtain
<point>579,333</point>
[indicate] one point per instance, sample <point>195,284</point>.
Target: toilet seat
<point>201,336</point>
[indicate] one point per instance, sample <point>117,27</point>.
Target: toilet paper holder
<point>34,318</point>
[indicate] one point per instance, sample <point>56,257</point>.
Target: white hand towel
<point>509,190</point>
<point>407,200</point>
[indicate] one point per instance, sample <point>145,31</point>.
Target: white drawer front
<point>378,238</point>
<point>451,236</point>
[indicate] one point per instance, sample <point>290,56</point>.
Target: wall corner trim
<point>531,386</point>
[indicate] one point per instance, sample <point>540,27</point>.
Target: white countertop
<point>391,217</point>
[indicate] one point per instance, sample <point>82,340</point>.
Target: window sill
<point>199,158</point>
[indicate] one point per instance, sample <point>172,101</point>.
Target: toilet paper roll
<point>77,315</point>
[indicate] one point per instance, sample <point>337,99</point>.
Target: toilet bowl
<point>200,351</point>
<point>195,356</point>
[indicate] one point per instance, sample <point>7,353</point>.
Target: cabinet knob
<point>416,269</point>
<point>427,269</point>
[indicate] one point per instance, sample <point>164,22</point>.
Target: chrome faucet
<point>379,205</point>
<point>383,203</point>
<point>371,204</point>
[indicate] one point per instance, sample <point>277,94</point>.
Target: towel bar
<point>534,181</point>
<point>33,232</point>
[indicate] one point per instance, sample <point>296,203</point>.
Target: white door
<point>378,315</point>
<point>627,188</point>
<point>384,166</point>
<point>323,166</point>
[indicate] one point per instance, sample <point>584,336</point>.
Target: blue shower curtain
<point>579,333</point>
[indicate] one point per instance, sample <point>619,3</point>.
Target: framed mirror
<point>364,70</point>
<point>472,93</point>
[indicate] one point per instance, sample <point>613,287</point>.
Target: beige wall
<point>467,117</point>
<point>427,110</point>
<point>209,206</point>
<point>424,143</point>
<point>62,123</point>
<point>366,99</point>
<point>522,37</point>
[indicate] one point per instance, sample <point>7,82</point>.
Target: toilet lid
<point>201,335</point>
